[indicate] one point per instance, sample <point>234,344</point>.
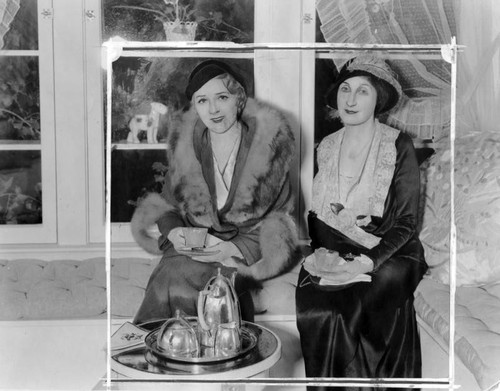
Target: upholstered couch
<point>477,220</point>
<point>68,289</point>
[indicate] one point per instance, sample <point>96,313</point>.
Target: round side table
<point>140,364</point>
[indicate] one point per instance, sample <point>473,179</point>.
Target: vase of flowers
<point>176,19</point>
<point>180,31</point>
<point>181,28</point>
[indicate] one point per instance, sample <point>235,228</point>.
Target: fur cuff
<point>147,213</point>
<point>278,238</point>
<point>279,247</point>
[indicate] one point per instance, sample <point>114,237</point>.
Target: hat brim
<point>206,71</point>
<point>331,94</point>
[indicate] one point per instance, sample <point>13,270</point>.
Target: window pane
<point>325,122</point>
<point>138,82</point>
<point>19,98</point>
<point>21,23</point>
<point>207,20</point>
<point>20,187</point>
<point>135,172</point>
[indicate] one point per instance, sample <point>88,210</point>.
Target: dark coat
<point>256,216</point>
<point>368,329</point>
<point>398,225</point>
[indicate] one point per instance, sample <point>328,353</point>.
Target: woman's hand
<point>176,237</point>
<point>223,253</point>
<point>212,240</point>
<point>346,218</point>
<point>348,270</point>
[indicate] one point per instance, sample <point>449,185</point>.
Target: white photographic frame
<point>448,53</point>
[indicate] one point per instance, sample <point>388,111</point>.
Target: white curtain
<point>425,109</point>
<point>478,92</point>
<point>8,10</point>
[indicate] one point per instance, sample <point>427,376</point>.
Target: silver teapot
<point>217,304</point>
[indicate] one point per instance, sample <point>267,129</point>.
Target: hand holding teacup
<point>346,271</point>
<point>188,237</point>
<point>195,237</point>
<point>324,260</point>
<point>331,265</point>
<point>224,252</point>
<point>176,237</point>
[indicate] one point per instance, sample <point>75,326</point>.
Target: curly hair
<point>235,88</point>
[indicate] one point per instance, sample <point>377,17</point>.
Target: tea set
<point>216,334</point>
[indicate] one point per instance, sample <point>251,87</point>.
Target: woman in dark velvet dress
<point>228,158</point>
<point>356,319</point>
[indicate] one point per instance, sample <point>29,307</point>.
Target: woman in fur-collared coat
<point>229,162</point>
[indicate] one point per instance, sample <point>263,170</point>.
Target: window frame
<point>46,232</point>
<point>267,30</point>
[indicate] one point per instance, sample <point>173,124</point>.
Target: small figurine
<point>146,122</point>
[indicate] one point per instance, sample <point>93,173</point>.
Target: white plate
<point>310,266</point>
<point>329,278</point>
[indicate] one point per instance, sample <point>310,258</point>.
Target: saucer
<point>198,251</point>
<point>326,278</point>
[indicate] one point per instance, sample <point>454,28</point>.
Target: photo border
<point>449,52</point>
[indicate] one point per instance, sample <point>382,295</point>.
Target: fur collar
<point>261,180</point>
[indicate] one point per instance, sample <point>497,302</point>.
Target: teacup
<point>195,237</point>
<point>325,259</point>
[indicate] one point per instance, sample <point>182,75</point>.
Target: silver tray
<point>248,342</point>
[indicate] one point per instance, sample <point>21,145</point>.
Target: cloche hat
<point>368,65</point>
<point>206,71</point>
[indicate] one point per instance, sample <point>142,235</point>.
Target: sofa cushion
<point>477,210</point>
<point>277,296</point>
<point>62,289</point>
<point>477,324</point>
<point>36,289</point>
<point>129,278</point>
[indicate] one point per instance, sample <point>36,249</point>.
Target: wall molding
<point>54,252</point>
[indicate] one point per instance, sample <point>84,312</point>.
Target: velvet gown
<point>368,329</point>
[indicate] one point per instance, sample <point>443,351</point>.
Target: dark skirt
<point>364,330</point>
<point>175,284</point>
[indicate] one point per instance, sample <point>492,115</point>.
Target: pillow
<point>477,210</point>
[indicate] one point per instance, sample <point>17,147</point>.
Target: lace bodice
<point>367,192</point>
